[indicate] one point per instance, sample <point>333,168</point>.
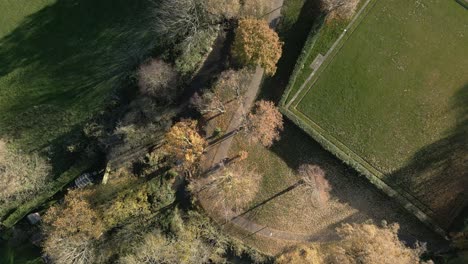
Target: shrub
<point>256,8</point>
<point>192,50</point>
<point>178,20</point>
<point>227,9</point>
<point>158,80</point>
<point>21,175</point>
<point>315,184</point>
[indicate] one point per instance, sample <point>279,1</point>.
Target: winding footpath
<point>217,153</point>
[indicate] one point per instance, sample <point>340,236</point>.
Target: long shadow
<point>294,36</point>
<point>296,148</point>
<point>60,65</point>
<point>258,205</point>
<point>437,175</point>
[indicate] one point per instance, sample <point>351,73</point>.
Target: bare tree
<point>231,188</point>
<point>232,84</point>
<point>70,251</point>
<point>177,20</point>
<point>158,79</point>
<point>265,123</point>
<point>343,9</point>
<point>229,88</point>
<point>209,102</point>
<point>316,186</point>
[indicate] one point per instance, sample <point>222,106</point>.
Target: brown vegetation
<point>300,255</point>
<point>315,184</point>
<point>184,144</point>
<point>208,103</point>
<point>158,80</point>
<point>256,8</point>
<point>21,175</point>
<point>256,43</point>
<point>231,188</point>
<point>228,89</point>
<point>228,9</point>
<point>265,123</point>
<point>360,244</point>
<point>71,229</point>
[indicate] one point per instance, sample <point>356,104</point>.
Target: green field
<point>61,61</point>
<point>392,100</point>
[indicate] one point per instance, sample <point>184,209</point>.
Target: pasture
<point>390,100</point>
<point>61,63</point>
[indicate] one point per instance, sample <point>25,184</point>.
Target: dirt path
<point>220,151</point>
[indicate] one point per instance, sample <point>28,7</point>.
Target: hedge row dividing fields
<point>391,101</point>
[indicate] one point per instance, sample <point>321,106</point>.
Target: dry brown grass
<point>351,198</point>
<point>21,175</point>
<point>341,9</point>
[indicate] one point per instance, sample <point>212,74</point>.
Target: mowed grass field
<point>279,206</point>
<point>61,62</point>
<point>395,94</point>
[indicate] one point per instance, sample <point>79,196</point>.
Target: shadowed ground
<point>61,62</point>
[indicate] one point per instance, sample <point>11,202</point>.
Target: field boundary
<point>308,47</point>
<point>57,185</point>
<point>338,149</point>
<point>331,53</point>
<point>288,107</point>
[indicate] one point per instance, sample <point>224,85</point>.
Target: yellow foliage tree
<point>255,43</point>
<point>75,217</point>
<point>183,143</point>
<point>71,229</point>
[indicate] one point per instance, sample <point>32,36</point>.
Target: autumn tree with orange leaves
<point>71,229</point>
<point>184,144</point>
<point>265,123</point>
<point>255,43</point>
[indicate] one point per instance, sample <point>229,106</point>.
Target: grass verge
<point>395,113</point>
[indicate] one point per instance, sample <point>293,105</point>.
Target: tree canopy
<point>265,123</point>
<point>184,144</point>
<point>255,43</point>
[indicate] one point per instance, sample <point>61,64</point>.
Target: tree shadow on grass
<point>294,34</point>
<point>61,65</point>
<point>437,175</point>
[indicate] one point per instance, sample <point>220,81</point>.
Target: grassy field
<point>393,98</point>
<point>353,198</point>
<point>61,61</point>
